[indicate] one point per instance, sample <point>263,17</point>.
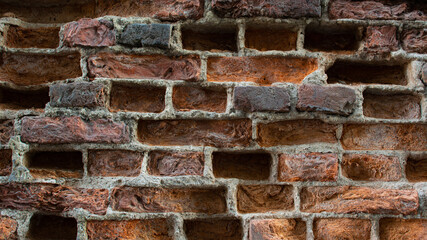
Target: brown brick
<point>383,136</point>
<point>217,133</point>
<point>6,130</point>
<point>112,163</point>
<point>158,200</point>
<point>403,229</point>
<point>342,228</point>
<point>33,69</point>
<point>391,106</point>
<point>156,229</point>
<point>137,98</point>
<point>416,168</point>
<point>89,32</point>
<point>213,228</point>
<point>347,199</point>
<point>187,98</point>
<point>415,40</point>
<point>213,38</point>
<point>52,227</point>
<point>77,94</point>
<point>5,162</point>
<point>171,163</point>
<point>261,70</point>
<point>366,167</point>
<point>266,39</point>
<point>8,228</point>
<point>249,165</point>
<point>272,229</point>
<point>55,164</point>
<point>16,99</point>
<point>20,37</point>
<point>331,38</point>
<point>294,132</point>
<point>333,100</point>
<point>264,198</point>
<point>107,65</point>
<point>308,167</point>
<point>46,130</point>
<point>52,198</point>
<point>261,99</point>
<point>381,39</point>
<point>269,8</point>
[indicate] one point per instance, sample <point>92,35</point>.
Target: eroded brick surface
<point>404,229</point>
<point>341,228</point>
<point>367,167</point>
<point>264,198</point>
<point>89,32</point>
<point>110,163</point>
<point>270,229</point>
<point>164,163</point>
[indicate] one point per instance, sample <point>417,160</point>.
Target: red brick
<point>264,198</point>
<point>187,98</point>
<point>342,228</point>
<point>107,65</point>
<point>5,162</point>
<point>266,39</point>
<point>112,163</point>
<point>89,32</point>
<point>348,199</point>
<point>415,40</point>
<point>16,99</point>
<point>261,99</point>
<point>403,229</point>
<point>34,69</point>
<point>46,130</point>
<point>156,229</point>
<point>268,8</point>
<point>272,229</point>
<point>222,228</point>
<point>246,165</point>
<point>381,39</point>
<point>6,130</point>
<point>383,136</point>
<point>137,98</point>
<point>171,163</point>
<point>158,200</point>
<point>77,94</point>
<point>216,133</point>
<point>20,37</point>
<point>261,70</point>
<point>391,106</point>
<point>294,132</point>
<point>366,167</point>
<point>8,228</point>
<point>52,198</point>
<point>308,167</point>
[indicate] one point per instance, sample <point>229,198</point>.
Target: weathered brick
<point>333,100</point>
<point>415,40</point>
<point>137,98</point>
<point>403,229</point>
<point>109,65</point>
<point>8,228</point>
<point>391,106</point>
<point>424,73</point>
<point>416,168</point>
<point>342,228</point>
<point>146,35</point>
<point>222,228</point>
<point>52,198</point>
<point>16,99</point>
<point>46,130</point>
<point>6,130</point>
<point>331,38</point>
<point>261,99</point>
<point>381,39</point>
<point>295,132</point>
<point>261,70</point>
<point>378,9</point>
<point>249,165</point>
<point>5,162</point>
<point>89,32</point>
<point>20,37</point>
<point>274,38</point>
<point>112,163</point>
<point>268,8</point>
<point>172,163</point>
<point>217,133</point>
<point>264,198</point>
<point>52,227</point>
<point>271,229</point>
<point>187,98</point>
<point>210,37</point>
<point>33,69</point>
<point>156,229</point>
<point>154,200</point>
<point>55,164</point>
<point>348,199</point>
<point>308,167</point>
<point>367,167</point>
<point>77,94</point>
<point>385,136</point>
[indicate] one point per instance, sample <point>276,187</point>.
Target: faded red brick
<point>137,98</point>
<point>108,65</point>
<point>6,130</point>
<point>89,32</point>
<point>217,133</point>
<point>112,163</point>
<point>272,229</point>
<point>261,99</point>
<point>348,199</point>
<point>381,39</point>
<point>158,200</point>
<point>264,198</point>
<point>367,167</point>
<point>308,167</point>
<point>20,37</point>
<point>33,69</point>
<point>415,40</point>
<point>172,163</point>
<point>156,229</point>
<point>77,94</point>
<point>342,228</point>
<point>46,130</point>
<point>294,132</point>
<point>52,198</point>
<point>8,228</point>
<point>403,229</point>
<point>218,228</point>
<point>385,136</point>
<point>261,70</point>
<point>187,98</point>
<point>5,162</point>
<point>333,100</point>
<point>391,106</point>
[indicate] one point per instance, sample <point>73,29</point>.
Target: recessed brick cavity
<point>137,98</point>
<point>45,164</point>
<point>210,38</point>
<point>249,166</point>
<point>15,99</point>
<point>331,38</point>
<point>416,168</point>
<point>265,38</point>
<point>19,37</point>
<point>391,105</point>
<point>5,162</point>
<point>44,227</point>
<point>227,229</point>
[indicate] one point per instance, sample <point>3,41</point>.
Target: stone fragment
<point>187,98</point>
<point>261,99</point>
<point>342,228</point>
<point>172,163</point>
<point>367,167</point>
<point>224,229</point>
<point>89,33</point>
<point>264,198</point>
<point>113,163</point>
<point>381,39</point>
<point>146,35</point>
<point>77,94</point>
<point>272,229</point>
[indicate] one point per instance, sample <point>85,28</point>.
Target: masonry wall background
<point>216,119</point>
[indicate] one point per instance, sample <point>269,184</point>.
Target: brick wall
<point>216,119</point>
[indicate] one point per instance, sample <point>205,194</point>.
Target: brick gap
<point>331,38</point>
<point>68,164</point>
<point>271,37</point>
<point>23,99</point>
<point>5,162</point>
<point>210,37</point>
<point>44,227</point>
<point>193,97</point>
<point>416,168</point>
<point>44,37</point>
<point>221,228</point>
<point>245,165</point>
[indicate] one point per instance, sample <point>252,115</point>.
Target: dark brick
<point>415,40</point>
<point>52,227</point>
<point>213,228</point>
<point>146,35</point>
<point>5,162</point>
<point>6,131</point>
<point>261,99</point>
<point>77,94</point>
<point>20,37</point>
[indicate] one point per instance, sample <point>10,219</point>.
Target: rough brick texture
<point>8,228</point>
<point>367,167</point>
<point>187,98</point>
<point>341,228</point>
<point>78,94</point>
<point>110,163</point>
<point>381,39</point>
<point>89,32</point>
<point>163,163</point>
<point>264,198</point>
<point>277,229</point>
<point>146,35</point>
<point>405,229</point>
<point>261,99</point>
<point>19,37</point>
